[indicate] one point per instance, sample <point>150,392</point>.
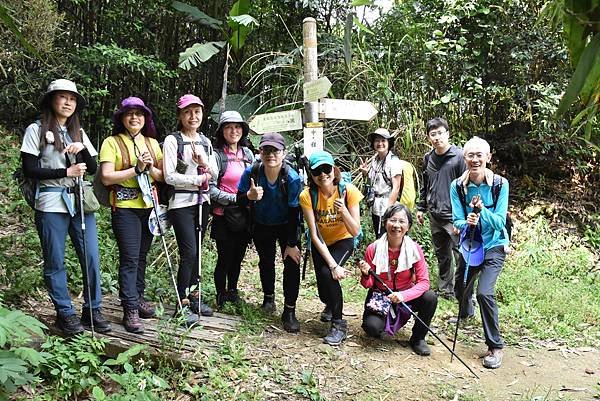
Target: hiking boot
<point>199,308</point>
<point>493,358</point>
<point>187,316</point>
<point>420,346</point>
<point>326,314</point>
<point>233,296</point>
<point>220,299</point>
<point>132,322</point>
<point>337,332</point>
<point>70,325</point>
<point>146,309</point>
<point>288,318</point>
<point>268,306</point>
<point>101,325</point>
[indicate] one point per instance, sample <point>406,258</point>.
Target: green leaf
<point>245,20</point>
<point>446,98</point>
<point>240,7</point>
<point>358,3</point>
<point>198,53</point>
<point>574,33</point>
<point>362,27</point>
<point>584,68</point>
<point>9,22</point>
<point>196,14</point>
<point>350,18</point>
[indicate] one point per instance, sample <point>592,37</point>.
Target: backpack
<point>412,193</point>
<point>166,191</point>
<point>282,179</point>
<point>496,187</point>
<point>28,186</point>
<point>102,192</point>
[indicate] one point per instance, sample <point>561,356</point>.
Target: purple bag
<point>398,320</point>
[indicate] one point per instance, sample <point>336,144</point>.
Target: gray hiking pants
<point>445,244</point>
<point>488,273</point>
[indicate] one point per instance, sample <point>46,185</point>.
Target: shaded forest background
<point>494,68</point>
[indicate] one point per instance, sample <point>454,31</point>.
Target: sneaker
<point>101,325</point>
<point>420,346</point>
<point>288,318</point>
<point>146,309</point>
<point>337,332</point>
<point>202,309</point>
<point>326,314</point>
<point>132,322</point>
<point>268,306</point>
<point>493,358</point>
<point>70,325</point>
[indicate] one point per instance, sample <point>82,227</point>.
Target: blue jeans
<point>52,229</point>
<point>133,239</point>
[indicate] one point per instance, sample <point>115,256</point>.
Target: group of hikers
<point>263,199</point>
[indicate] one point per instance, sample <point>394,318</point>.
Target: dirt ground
<point>367,369</point>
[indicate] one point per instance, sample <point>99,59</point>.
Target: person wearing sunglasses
<point>400,263</point>
<point>130,159</point>
<point>333,220</point>
<point>272,188</point>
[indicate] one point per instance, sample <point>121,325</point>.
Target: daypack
<point>282,179</point>
<point>496,187</point>
<point>102,192</point>
<point>166,191</point>
<point>412,191</point>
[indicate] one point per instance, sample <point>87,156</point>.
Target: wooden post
<point>311,71</point>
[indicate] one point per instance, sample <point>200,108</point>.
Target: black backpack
<point>222,161</point>
<point>496,187</point>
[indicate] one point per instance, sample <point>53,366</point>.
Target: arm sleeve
<point>422,205</point>
<point>89,160</point>
<point>31,169</point>
<point>459,220</point>
<point>368,281</point>
<point>422,278</point>
<point>216,195</point>
<point>292,226</point>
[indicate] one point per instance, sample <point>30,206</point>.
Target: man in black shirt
<point>441,166</point>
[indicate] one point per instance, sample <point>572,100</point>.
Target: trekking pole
<point>162,237</point>
<point>465,275</point>
<point>84,249</point>
<point>200,201</point>
<point>389,291</point>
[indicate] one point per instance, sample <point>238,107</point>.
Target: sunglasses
<point>323,168</point>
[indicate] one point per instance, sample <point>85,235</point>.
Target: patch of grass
<point>541,288</point>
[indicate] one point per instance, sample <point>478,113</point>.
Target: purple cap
<point>185,100</point>
<point>133,102</point>
<point>472,251</point>
<point>273,139</point>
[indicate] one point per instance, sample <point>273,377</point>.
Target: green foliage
<point>308,387</point>
<point>17,359</point>
<point>542,284</point>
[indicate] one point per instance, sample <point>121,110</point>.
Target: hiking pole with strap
<point>465,275</point>
<point>388,291</point>
<point>84,249</point>
<point>162,237</point>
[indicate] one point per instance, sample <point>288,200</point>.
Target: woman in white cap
<point>390,178</point>
<point>57,152</point>
<point>230,222</point>
<point>189,164</point>
<point>130,159</point>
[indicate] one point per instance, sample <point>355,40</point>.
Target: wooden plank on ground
<point>160,335</point>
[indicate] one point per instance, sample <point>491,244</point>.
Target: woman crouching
<point>400,263</point>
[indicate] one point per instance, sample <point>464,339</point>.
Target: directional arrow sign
<point>347,109</point>
<point>277,122</point>
<point>315,90</point>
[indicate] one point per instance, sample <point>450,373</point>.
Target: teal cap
<point>320,157</point>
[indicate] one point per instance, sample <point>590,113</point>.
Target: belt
<point>69,190</point>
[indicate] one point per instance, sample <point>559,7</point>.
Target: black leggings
<point>265,240</point>
<point>330,291</point>
<point>231,248</point>
<point>185,224</point>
